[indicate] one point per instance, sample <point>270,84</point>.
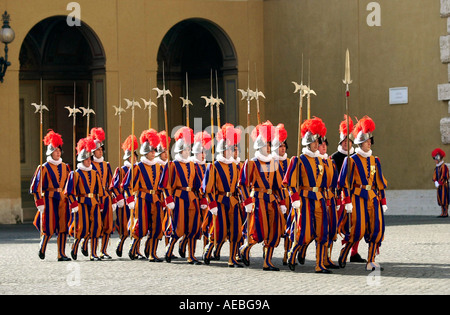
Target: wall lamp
<point>6,37</point>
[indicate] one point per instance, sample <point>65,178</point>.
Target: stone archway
<point>197,47</point>
<point>60,55</point>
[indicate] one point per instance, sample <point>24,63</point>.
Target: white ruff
<point>352,150</point>
<point>223,159</point>
<point>323,156</point>
<point>262,157</point>
<point>158,159</point>
<point>179,158</point>
<point>362,153</point>
<point>308,152</point>
<point>100,160</point>
<point>147,161</point>
<point>80,166</point>
<point>127,164</point>
<point>238,160</point>
<point>277,157</point>
<point>195,160</point>
<point>440,163</point>
<point>54,162</point>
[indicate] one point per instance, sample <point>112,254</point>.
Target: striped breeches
<point>55,218</point>
<point>227,224</point>
<point>148,219</point>
<point>107,215</point>
<point>311,222</point>
<point>186,218</point>
<point>266,223</point>
<point>122,218</point>
<point>86,222</point>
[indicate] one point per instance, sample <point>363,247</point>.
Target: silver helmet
<point>83,155</point>
<point>259,143</point>
<point>363,137</point>
<point>197,148</point>
<point>343,136</point>
<point>309,138</point>
<point>146,148</point>
<point>222,146</point>
<point>50,149</point>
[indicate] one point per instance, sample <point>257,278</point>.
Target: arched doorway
<point>60,56</point>
<point>197,47</point>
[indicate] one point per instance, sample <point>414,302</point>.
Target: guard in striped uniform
<point>123,211</point>
<point>220,185</point>
<point>179,177</point>
<point>53,213</point>
<point>364,187</point>
<point>261,184</point>
<point>330,193</point>
<point>146,203</point>
<point>305,178</point>
<point>202,143</point>
<point>85,190</point>
<point>440,178</point>
<point>108,201</point>
<point>338,157</point>
<point>279,148</point>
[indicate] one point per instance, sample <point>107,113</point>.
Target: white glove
<point>338,207</point>
<point>213,210</point>
<point>114,206</point>
<point>283,209</point>
<point>171,205</point>
<point>349,207</point>
<point>203,207</point>
<point>384,207</point>
<point>436,183</point>
<point>131,205</point>
<point>41,208</point>
<point>249,208</point>
<point>75,209</point>
<point>121,203</point>
<point>296,204</point>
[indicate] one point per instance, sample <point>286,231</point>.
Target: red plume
<point>205,138</point>
<point>343,125</point>
<point>438,151</point>
<point>185,133</point>
<point>266,130</point>
<point>162,139</point>
<point>315,125</point>
<point>281,133</point>
<point>231,134</point>
<point>127,143</point>
<point>365,124</point>
<point>86,143</point>
<point>98,134</point>
<point>150,136</point>
<point>53,138</point>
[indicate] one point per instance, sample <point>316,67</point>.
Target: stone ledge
<point>444,44</point>
<point>445,8</point>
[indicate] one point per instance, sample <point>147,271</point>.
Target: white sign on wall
<point>398,95</point>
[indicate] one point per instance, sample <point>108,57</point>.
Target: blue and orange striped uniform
<point>185,217</point>
<point>305,178</point>
<point>220,185</point>
<point>85,189</point>
<point>104,170</point>
<point>289,215</point>
<point>148,215</point>
<point>261,183</point>
<point>122,213</point>
<point>441,175</point>
<point>363,184</point>
<point>56,215</point>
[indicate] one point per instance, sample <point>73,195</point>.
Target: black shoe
<point>105,256</point>
<point>118,252</point>
<point>206,260</point>
<point>194,262</point>
<point>155,260</point>
<point>291,266</point>
<point>168,258</point>
<point>245,260</point>
<point>181,253</point>
<point>95,258</point>
<point>357,258</point>
<point>342,264</point>
<point>216,256</point>
<point>271,268</point>
<point>84,252</point>
<point>323,271</point>
<point>332,266</point>
<point>140,257</point>
<point>131,255</point>
<point>235,265</point>
<point>64,258</point>
<point>41,255</point>
<point>73,255</point>
<point>301,259</point>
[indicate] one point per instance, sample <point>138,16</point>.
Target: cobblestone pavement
<point>415,256</point>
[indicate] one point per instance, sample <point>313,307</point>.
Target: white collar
<point>362,153</point>
<point>179,158</point>
<point>147,161</point>
<point>324,156</point>
<point>277,157</point>
<point>84,168</point>
<point>127,164</point>
<point>54,162</point>
<point>195,160</point>
<point>440,163</point>
<point>100,160</point>
<point>221,158</point>
<point>237,160</point>
<point>262,157</point>
<point>158,159</point>
<point>308,152</point>
<point>352,150</point>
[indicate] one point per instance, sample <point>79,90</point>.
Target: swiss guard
<point>440,178</point>
<point>53,213</point>
<point>364,185</point>
<point>85,191</point>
